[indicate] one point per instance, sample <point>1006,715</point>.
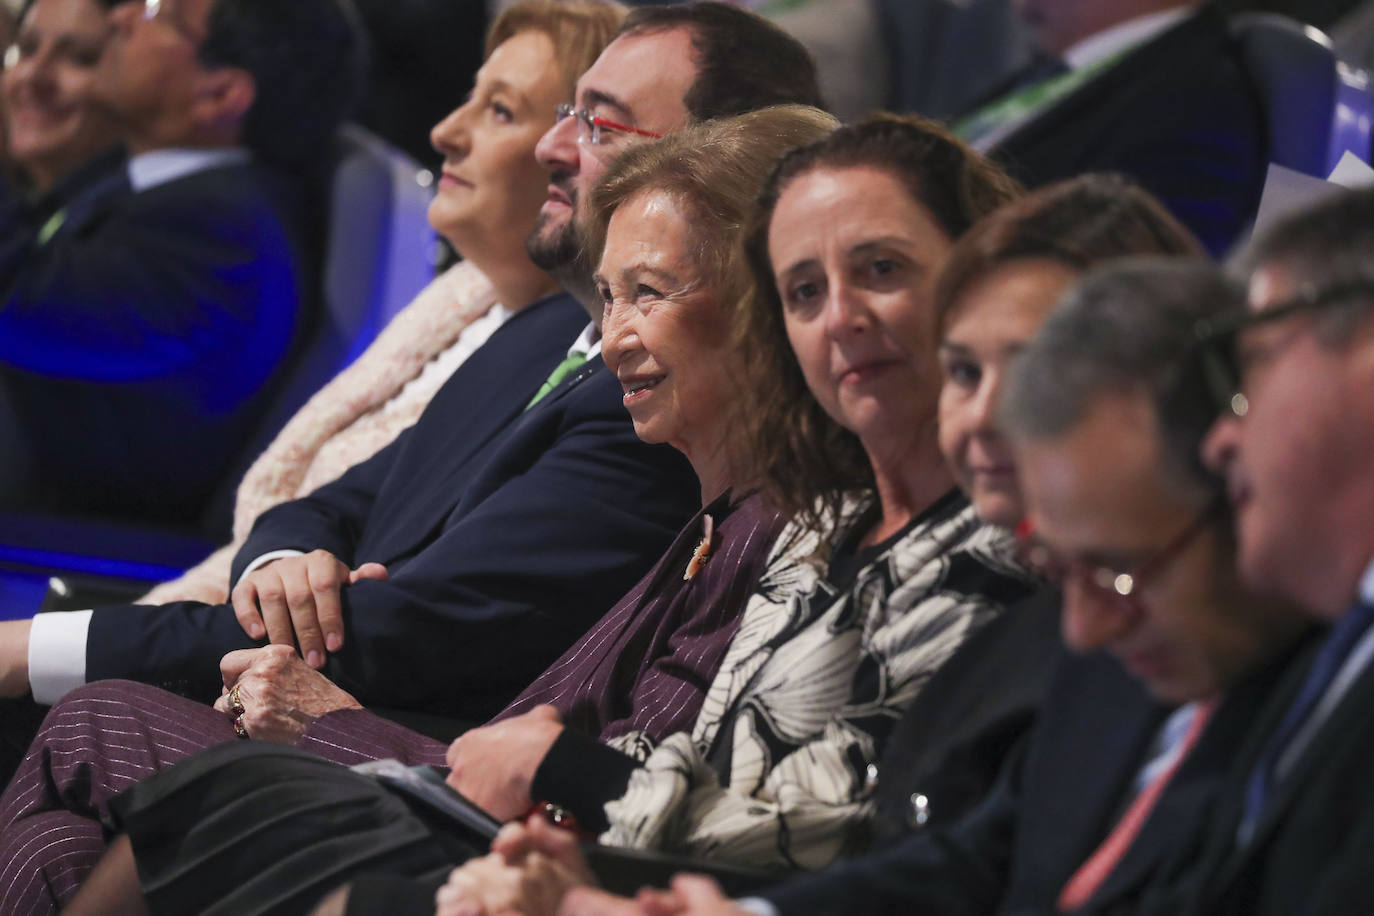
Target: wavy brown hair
<point>1077,223</point>
<point>807,463</point>
<point>713,171</point>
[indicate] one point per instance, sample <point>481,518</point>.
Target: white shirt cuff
<point>758,906</point>
<point>268,557</point>
<point>57,654</point>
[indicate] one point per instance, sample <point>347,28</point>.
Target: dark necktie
<point>1325,665</point>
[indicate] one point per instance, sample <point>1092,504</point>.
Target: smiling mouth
<point>638,387</point>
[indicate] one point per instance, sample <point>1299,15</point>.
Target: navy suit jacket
<point>139,342</point>
<point>1051,808</point>
<point>1314,845</point>
<point>506,534</point>
<point>1178,115</point>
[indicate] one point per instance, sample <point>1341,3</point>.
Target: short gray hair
<point>1128,326</point>
<point>1326,245</point>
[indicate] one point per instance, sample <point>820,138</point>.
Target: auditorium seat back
<point>378,252</point>
<point>1318,107</point>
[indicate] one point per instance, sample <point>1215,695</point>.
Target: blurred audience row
<point>967,548</point>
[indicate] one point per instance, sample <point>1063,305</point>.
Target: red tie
<point>1094,871</point>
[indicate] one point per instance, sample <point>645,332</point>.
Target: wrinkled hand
<point>530,869</point>
<point>280,694</point>
<point>691,895</point>
<point>295,600</point>
<point>494,765</point>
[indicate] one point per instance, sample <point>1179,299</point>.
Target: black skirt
<point>249,828</point>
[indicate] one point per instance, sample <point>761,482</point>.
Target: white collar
<point>1122,37</point>
<point>588,343</point>
<point>159,166</point>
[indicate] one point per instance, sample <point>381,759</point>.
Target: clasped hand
<point>535,869</point>
<point>280,694</point>
<point>295,601</point>
<point>494,766</point>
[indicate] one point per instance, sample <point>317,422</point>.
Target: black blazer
<point>1179,115</point>
<point>1050,809</point>
<point>950,744</point>
<point>139,343</point>
<point>506,534</point>
<point>1313,849</point>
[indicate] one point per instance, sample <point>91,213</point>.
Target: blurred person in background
<point>53,118</point>
<point>141,331</point>
<point>1153,89</point>
<point>52,137</point>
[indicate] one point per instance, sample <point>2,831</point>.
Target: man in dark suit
<point>1175,656</point>
<point>1296,830</point>
<point>504,532</point>
<point>1154,89</point>
<point>144,317</point>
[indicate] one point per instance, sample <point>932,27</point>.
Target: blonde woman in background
<point>487,200</point>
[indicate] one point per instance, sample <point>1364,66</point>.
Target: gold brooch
<point>703,551</point>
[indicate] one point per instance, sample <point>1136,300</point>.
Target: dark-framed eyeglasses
<point>1218,341</point>
<point>595,130</point>
<point>1110,583</point>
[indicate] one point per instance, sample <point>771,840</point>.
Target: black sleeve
<point>944,872</point>
<point>582,774</point>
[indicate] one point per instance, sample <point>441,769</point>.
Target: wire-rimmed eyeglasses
<point>596,130</point>
<point>1109,582</point>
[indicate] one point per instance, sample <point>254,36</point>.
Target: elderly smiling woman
<point>671,283</point>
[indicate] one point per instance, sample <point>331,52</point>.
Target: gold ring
<point>238,726</point>
<point>235,703</point>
